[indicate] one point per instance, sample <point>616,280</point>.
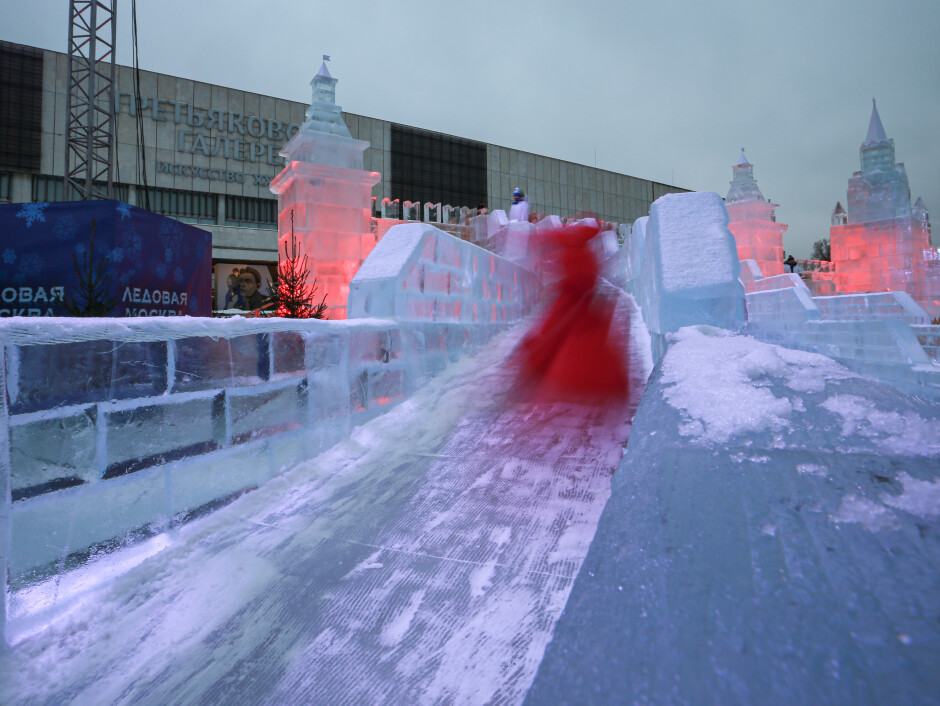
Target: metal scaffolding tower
<point>89,129</point>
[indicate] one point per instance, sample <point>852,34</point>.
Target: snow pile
<point>722,382</point>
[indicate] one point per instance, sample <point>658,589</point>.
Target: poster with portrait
<point>228,290</point>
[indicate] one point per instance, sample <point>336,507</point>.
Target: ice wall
<point>419,272</point>
<point>682,267</point>
<point>772,537</point>
<point>131,441</point>
<point>871,334</point>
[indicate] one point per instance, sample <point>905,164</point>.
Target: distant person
<point>791,265</point>
<point>519,211</point>
<point>250,282</point>
<point>482,210</point>
<point>233,297</point>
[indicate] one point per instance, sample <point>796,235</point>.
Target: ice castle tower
<point>329,194</point>
<point>752,221</point>
<point>882,243</point>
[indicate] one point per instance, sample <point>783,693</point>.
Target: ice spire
<point>876,131</point>
<point>743,185</point>
<point>323,115</point>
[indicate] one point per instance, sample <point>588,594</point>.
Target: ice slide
<point>423,560</point>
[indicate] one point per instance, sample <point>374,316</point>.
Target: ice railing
<point>119,429</point>
<point>883,334</point>
<point>418,272</point>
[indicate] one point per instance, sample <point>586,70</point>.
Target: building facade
<point>209,153</point>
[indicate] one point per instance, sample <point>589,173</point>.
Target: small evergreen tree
<point>291,296</point>
<point>822,250</point>
<point>92,296</point>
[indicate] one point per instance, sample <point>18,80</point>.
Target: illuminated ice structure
<point>771,534</point>
<point>758,235</point>
<point>881,242</point>
<point>329,194</point>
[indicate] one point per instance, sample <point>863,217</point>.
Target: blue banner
<point>158,266</point>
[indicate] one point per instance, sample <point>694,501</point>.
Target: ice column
<point>752,221</point>
<point>880,245</point>
<point>329,194</point>
<point>690,267</point>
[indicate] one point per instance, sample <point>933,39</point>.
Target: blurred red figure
<point>574,351</point>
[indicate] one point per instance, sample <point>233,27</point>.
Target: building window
<point>434,168</point>
<point>5,186</point>
<point>52,188</point>
<point>20,107</point>
<point>186,206</point>
<point>249,212</point>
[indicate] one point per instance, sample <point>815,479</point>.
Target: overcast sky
<point>668,90</point>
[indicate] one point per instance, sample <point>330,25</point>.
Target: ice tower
<point>329,194</point>
<point>752,221</point>
<point>882,243</point>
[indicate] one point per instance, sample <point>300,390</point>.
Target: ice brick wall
<point>886,349</point>
<point>419,273</point>
<point>155,421</point>
<point>882,305</point>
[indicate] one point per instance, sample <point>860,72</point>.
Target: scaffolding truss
<point>90,124</point>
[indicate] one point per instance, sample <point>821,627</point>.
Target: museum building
<point>210,152</point>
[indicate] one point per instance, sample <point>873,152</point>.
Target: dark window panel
<point>20,107</point>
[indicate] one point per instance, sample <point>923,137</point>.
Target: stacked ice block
<point>689,271</point>
<point>880,256</point>
<point>418,272</point>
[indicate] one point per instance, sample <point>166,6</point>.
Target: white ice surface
<point>696,254</point>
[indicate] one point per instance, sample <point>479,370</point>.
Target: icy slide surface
<point>772,537</point>
<point>423,560</point>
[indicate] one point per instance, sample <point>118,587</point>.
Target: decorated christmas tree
<point>291,296</point>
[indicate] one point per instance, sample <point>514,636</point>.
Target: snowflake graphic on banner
<point>65,228</point>
<point>124,209</point>
<point>33,212</point>
<point>178,275</point>
<point>133,241</point>
<point>160,269</point>
<point>9,256</point>
<point>117,255</point>
<point>30,264</point>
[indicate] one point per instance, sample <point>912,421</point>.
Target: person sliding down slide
<point>574,351</point>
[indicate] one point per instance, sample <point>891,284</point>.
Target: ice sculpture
<point>419,272</point>
<point>325,196</point>
<point>879,244</point>
<point>690,267</point>
<point>751,219</point>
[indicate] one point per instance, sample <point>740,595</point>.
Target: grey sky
<point>667,90</point>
